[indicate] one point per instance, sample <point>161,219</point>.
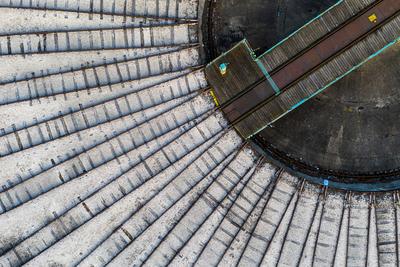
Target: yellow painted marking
<point>373,18</point>
<point>214,97</point>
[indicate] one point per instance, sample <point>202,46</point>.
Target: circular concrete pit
<point>351,130</point>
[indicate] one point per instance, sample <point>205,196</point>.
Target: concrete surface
<point>141,171</point>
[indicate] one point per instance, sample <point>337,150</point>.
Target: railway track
<point>247,101</point>
<point>296,81</point>
<point>295,54</point>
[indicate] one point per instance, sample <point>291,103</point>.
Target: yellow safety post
<point>214,97</point>
<point>373,18</point>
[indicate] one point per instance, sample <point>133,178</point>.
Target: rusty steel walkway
<point>253,92</point>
